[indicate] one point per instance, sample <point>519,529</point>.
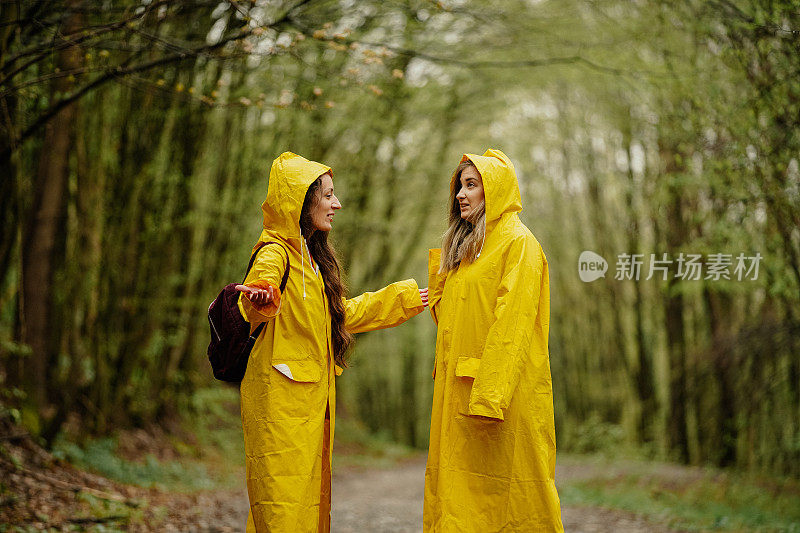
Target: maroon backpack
<point>231,341</point>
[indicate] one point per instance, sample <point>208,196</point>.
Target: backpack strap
<point>285,278</point>
<point>253,260</point>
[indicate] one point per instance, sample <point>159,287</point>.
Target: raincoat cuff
<point>409,296</point>
<point>485,411</point>
<point>260,313</point>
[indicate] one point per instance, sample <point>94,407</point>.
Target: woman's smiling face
<point>327,203</point>
<point>471,194</point>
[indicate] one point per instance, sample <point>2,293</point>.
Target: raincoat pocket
<point>466,370</point>
<point>292,392</point>
<point>303,371</point>
<point>467,367</point>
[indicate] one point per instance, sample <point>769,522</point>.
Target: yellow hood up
<point>289,180</point>
<point>499,183</point>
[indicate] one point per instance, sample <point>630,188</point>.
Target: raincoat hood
<point>289,180</point>
<point>500,185</point>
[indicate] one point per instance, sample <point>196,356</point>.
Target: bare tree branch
<point>483,64</point>
<point>65,41</point>
<point>122,70</point>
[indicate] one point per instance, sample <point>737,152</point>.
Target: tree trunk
<point>9,207</point>
<point>719,307</point>
<point>676,234</point>
<point>42,251</point>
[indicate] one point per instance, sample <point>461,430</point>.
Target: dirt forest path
<point>389,500</point>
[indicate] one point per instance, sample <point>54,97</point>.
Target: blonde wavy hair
<point>463,239</point>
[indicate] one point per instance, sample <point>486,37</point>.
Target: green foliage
<point>594,436</point>
<point>388,383</point>
<point>100,456</point>
<point>356,445</point>
<point>116,516</point>
<point>209,450</point>
<point>216,425</point>
<point>688,500</point>
<point>647,127</point>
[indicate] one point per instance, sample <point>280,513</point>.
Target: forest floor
<point>41,492</point>
<point>154,481</point>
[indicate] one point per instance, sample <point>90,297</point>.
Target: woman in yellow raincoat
<point>491,461</point>
<point>288,394</point>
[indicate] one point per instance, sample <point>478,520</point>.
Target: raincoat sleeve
<point>386,308</point>
<point>267,271</point>
<point>435,282</point>
<point>507,347</point>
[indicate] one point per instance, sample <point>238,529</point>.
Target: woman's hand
<point>260,296</point>
<point>423,293</point>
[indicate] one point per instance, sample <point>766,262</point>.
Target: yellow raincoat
<point>288,394</point>
<point>491,461</point>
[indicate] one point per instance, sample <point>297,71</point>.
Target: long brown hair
<point>325,256</point>
<point>464,238</point>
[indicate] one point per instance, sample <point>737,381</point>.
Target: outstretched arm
<point>385,308</point>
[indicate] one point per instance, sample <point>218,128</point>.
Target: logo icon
<point>591,266</point>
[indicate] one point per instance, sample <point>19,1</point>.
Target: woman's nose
<point>461,194</point>
<point>336,203</point>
